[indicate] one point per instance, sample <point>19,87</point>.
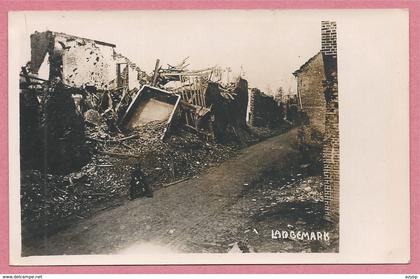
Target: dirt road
<point>198,215</point>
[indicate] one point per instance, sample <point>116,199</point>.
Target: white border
<point>374,125</point>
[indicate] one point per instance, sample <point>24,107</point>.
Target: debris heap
<point>53,130</point>
<point>52,201</point>
<point>81,137</point>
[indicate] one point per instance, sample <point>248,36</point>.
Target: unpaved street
<point>203,214</point>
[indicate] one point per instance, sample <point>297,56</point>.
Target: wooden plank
<point>203,102</point>
<point>203,94</point>
<point>168,123</point>
<point>155,74</point>
<point>193,98</point>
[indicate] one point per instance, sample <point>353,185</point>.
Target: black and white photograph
<point>158,133</point>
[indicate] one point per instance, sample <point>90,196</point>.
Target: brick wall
<point>311,92</point>
<point>329,38</point>
<point>331,148</point>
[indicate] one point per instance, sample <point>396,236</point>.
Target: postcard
<point>209,137</point>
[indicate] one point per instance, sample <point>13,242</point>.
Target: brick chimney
<point>329,38</point>
<point>331,148</point>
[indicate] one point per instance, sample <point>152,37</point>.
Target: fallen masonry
<point>89,116</point>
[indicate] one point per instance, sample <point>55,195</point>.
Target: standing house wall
<point>311,92</point>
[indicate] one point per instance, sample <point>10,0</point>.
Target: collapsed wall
<point>264,111</point>
<point>214,109</point>
<point>229,111</point>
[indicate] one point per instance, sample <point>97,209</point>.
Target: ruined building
<point>310,91</point>
<point>67,80</point>
<point>80,61</point>
<point>214,109</point>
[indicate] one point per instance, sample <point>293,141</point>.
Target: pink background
<point>413,6</point>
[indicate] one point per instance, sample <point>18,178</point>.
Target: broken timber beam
<point>155,74</point>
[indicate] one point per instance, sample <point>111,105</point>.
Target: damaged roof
<point>77,37</point>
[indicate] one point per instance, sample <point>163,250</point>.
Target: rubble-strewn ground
<point>51,202</point>
<point>293,204</point>
<point>228,207</point>
<point>286,204</point>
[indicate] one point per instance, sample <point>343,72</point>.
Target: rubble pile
<point>63,129</point>
<point>296,189</point>
<point>85,127</point>
<point>50,201</point>
<point>184,154</point>
<point>53,130</point>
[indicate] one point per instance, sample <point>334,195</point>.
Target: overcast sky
<point>269,45</point>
